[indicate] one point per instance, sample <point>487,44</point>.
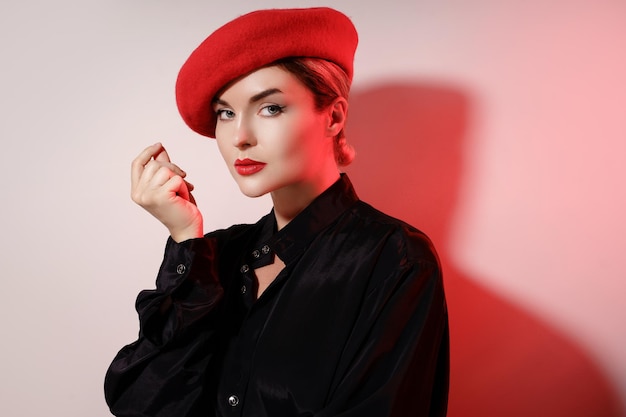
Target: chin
<point>252,194</point>
<point>252,190</point>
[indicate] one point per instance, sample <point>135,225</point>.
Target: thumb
<point>179,186</point>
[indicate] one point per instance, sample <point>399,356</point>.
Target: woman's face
<point>271,136</point>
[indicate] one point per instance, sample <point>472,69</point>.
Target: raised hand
<point>159,187</point>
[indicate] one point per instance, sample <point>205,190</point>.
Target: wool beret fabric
<point>255,40</point>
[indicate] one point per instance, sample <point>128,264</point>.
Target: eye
<point>271,110</point>
<point>225,114</point>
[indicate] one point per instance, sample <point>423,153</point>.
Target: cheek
<point>292,147</point>
<point>223,149</point>
<point>301,137</point>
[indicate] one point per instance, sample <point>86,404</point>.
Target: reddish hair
<point>326,81</point>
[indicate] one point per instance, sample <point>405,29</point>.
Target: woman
<point>326,306</point>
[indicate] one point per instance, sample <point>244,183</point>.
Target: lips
<point>248,166</point>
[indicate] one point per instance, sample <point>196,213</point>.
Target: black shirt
<point>354,325</point>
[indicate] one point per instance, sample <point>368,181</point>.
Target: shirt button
<point>256,254</point>
<point>243,289</point>
<point>233,401</point>
<point>265,249</point>
<point>180,269</point>
<point>244,269</point>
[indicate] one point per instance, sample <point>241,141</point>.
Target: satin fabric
<point>354,325</point>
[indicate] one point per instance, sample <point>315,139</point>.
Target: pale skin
<point>267,116</point>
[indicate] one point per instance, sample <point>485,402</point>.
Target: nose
<point>244,135</point>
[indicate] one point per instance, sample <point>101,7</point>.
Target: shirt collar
<point>289,242</point>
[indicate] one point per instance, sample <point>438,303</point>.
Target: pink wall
<point>513,124</point>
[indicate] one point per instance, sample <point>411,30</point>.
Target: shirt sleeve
<point>396,363</point>
<point>176,337</point>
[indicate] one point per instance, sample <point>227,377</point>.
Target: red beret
<point>252,41</point>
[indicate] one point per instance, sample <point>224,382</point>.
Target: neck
<point>289,201</point>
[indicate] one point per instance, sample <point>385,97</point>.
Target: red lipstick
<point>248,166</point>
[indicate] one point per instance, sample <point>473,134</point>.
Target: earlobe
<point>338,112</point>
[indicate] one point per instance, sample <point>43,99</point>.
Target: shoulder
<point>402,238</point>
<point>398,257</point>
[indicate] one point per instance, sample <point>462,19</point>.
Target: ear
<point>337,113</point>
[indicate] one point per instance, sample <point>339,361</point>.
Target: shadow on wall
<point>504,361</point>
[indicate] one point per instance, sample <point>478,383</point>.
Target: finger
<point>153,166</point>
<point>176,169</point>
<point>142,159</point>
<point>150,176</point>
<point>190,186</point>
<point>182,188</point>
<point>177,184</point>
<point>162,156</point>
<point>161,176</point>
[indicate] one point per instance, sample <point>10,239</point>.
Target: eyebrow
<point>254,98</point>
